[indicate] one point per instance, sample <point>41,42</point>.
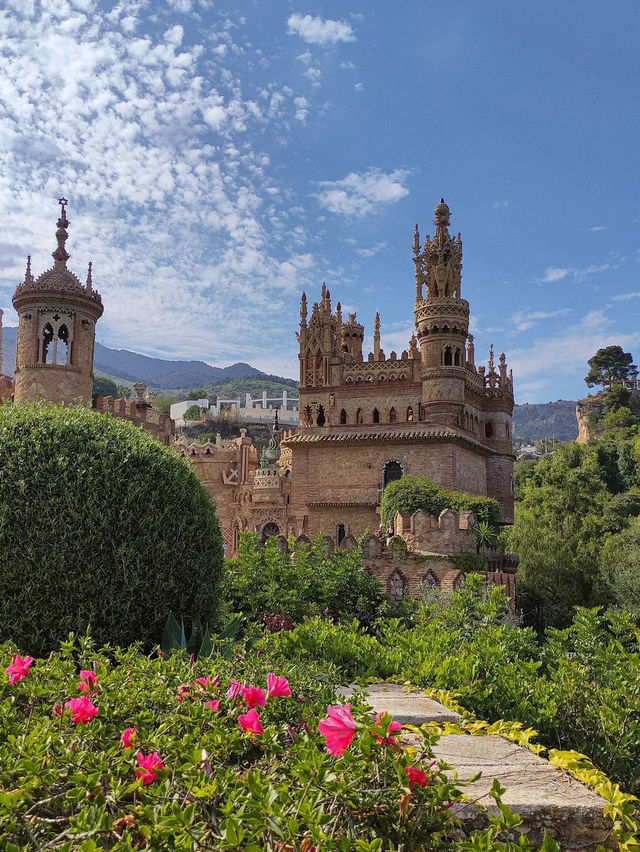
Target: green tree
<point>193,412</point>
<point>610,365</point>
<point>411,493</point>
<point>100,526</point>
<point>124,391</point>
<point>104,386</point>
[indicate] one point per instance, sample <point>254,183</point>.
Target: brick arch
<point>396,586</point>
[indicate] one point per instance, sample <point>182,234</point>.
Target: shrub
<point>411,493</point>
<point>305,582</point>
<point>99,525</point>
<point>212,785</point>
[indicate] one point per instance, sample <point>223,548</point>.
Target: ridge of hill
<point>156,373</point>
<point>531,421</point>
<point>535,421</point>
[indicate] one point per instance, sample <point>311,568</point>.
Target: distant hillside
<point>156,373</point>
<point>532,422</point>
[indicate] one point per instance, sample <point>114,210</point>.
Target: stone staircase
<point>547,798</point>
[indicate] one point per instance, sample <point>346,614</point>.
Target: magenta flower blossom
<point>212,705</point>
<point>87,680</point>
<point>338,728</point>
<point>129,738</point>
<point>253,696</point>
<point>82,710</point>
<point>250,721</point>
<point>208,683</point>
<point>277,687</point>
<point>18,668</point>
<point>148,764</point>
<point>234,689</point>
<point>416,777</point>
<point>393,728</point>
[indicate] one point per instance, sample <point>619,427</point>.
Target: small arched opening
<point>409,414</point>
<point>456,358</point>
<point>343,417</point>
<point>429,580</point>
<point>341,534</point>
<point>396,587</point>
<point>392,471</point>
<point>392,415</point>
<point>488,429</point>
<point>448,360</point>
<point>359,416</point>
<point>269,530</point>
<point>376,415</point>
<point>320,418</point>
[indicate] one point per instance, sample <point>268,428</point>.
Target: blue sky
<point>220,158</point>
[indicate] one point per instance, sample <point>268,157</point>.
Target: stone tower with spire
<point>57,316</point>
<point>428,410</point>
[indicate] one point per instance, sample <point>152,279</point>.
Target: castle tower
<point>57,315</point>
<point>441,319</point>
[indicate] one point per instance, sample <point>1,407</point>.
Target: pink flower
<point>149,764</point>
<point>183,690</point>
<point>234,689</point>
<point>129,737</point>
<point>212,705</point>
<point>253,696</point>
<point>82,710</point>
<point>57,710</point>
<point>338,728</point>
<point>277,687</point>
<point>207,683</point>
<point>89,676</point>
<point>250,721</point>
<point>416,776</point>
<point>18,668</point>
<point>393,727</point>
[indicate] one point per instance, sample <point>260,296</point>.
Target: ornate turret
<point>441,317</point>
<point>56,329</point>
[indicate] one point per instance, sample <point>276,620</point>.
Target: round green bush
<point>101,527</point>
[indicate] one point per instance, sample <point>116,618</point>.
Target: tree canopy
<point>610,365</point>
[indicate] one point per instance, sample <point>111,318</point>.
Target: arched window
<point>409,415</point>
<point>488,429</point>
<point>343,417</point>
<point>392,471</point>
<point>320,419</point>
<point>392,415</point>
<point>456,358</point>
<point>47,338</point>
<point>359,416</point>
<point>430,580</point>
<point>458,583</point>
<point>396,587</point>
<point>376,415</point>
<point>307,416</point>
<point>269,530</point>
<point>447,356</point>
<point>341,534</point>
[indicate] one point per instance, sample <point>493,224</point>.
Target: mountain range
<point>531,422</point>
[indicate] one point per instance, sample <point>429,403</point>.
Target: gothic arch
<point>376,415</point>
<point>396,587</point>
<point>392,415</point>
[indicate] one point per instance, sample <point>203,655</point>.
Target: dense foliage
<point>579,689</point>
<point>181,756</point>
<point>576,513</point>
<point>417,492</point>
<point>305,582</point>
<point>99,525</point>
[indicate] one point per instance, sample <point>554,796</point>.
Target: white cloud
<point>349,66</point>
<point>305,57</point>
<point>599,228</point>
<point>359,194</point>
<point>623,297</point>
<point>500,205</point>
<point>359,87</point>
<point>526,319</point>
<point>313,75</point>
<point>554,273</point>
<point>371,251</point>
<point>315,30</point>
<point>191,232</point>
<point>568,351</point>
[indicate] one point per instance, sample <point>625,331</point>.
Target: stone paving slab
<point>406,707</point>
<point>546,797</point>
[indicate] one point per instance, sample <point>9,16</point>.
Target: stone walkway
<point>547,798</point>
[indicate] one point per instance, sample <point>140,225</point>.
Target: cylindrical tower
<point>441,320</point>
<point>57,315</point>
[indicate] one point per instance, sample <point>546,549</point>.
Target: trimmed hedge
<point>411,493</point>
<point>100,526</point>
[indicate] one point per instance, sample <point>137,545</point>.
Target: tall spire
<point>303,309</point>
<point>416,241</point>
<point>441,221</point>
<point>90,276</point>
<point>376,338</point>
<point>28,277</point>
<point>61,255</point>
